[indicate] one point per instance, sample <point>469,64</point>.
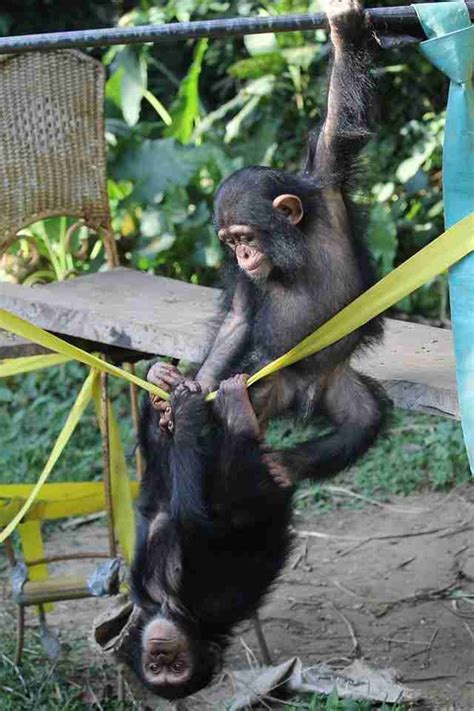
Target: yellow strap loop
<point>439,255</point>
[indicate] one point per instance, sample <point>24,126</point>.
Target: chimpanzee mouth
<point>255,265</point>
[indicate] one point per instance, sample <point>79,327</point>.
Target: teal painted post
<point>450,47</point>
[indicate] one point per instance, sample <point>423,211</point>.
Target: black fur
<point>228,532</point>
<point>319,265</point>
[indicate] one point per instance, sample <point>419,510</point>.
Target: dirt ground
<point>378,582</point>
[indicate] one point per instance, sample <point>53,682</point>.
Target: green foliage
<point>34,408</point>
<point>234,102</point>
<point>185,112</point>
<point>416,452</point>
<point>75,682</point>
<point>334,703</point>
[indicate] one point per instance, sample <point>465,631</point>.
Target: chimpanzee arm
<point>155,486</point>
<point>333,152</point>
<point>230,340</point>
<point>243,489</point>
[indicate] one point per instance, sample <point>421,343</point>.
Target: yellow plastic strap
<point>74,416</point>
<point>25,329</point>
<point>441,253</point>
<point>15,366</point>
<point>122,501</point>
<point>445,250</point>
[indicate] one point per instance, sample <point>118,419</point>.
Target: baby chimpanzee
<point>213,534</point>
<point>296,256</point>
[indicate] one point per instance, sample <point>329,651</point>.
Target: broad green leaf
<point>382,236</point>
<point>134,83</point>
<point>233,127</point>
<point>256,67</point>
<point>260,44</point>
<point>383,191</point>
<point>301,56</point>
<point>186,110</point>
<point>411,165</point>
<point>155,166</point>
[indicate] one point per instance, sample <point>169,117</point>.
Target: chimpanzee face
<point>166,655</point>
<point>246,241</point>
<point>174,663</point>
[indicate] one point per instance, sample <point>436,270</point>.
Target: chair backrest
<point>52,144</point>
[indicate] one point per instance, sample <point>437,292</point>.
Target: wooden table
<point>136,314</point>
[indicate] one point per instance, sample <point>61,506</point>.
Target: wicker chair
<point>52,147</point>
<point>53,163</point>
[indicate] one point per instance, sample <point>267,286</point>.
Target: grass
<point>78,681</point>
<point>74,682</point>
<point>417,452</point>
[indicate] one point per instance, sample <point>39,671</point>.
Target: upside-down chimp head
<point>170,661</point>
<point>260,214</point>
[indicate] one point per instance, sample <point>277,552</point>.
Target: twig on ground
<point>405,563</point>
<point>351,549</point>
<point>252,660</point>
<point>430,646</point>
<point>417,679</point>
<point>356,649</point>
<point>383,537</point>
<point>349,592</point>
<point>434,594</point>
<point>353,494</point>
<point>329,536</point>
<point>464,526</point>
<point>391,640</point>
<point>82,521</point>
<point>469,631</point>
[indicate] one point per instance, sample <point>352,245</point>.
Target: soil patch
<point>386,583</point>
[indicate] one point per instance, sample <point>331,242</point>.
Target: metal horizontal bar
<point>384,19</point>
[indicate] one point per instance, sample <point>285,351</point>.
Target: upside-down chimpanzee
<point>215,507</point>
<point>296,257</point>
<point>212,535</point>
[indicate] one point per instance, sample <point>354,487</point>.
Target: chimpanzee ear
<point>291,207</point>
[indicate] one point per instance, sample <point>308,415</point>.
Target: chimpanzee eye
<point>154,668</point>
<point>177,667</point>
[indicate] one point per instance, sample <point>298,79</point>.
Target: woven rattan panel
<point>52,146</point>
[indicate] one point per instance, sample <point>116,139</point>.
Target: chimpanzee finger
<point>165,375</point>
<point>166,418</point>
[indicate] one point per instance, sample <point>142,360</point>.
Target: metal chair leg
<point>265,652</point>
<point>20,634</point>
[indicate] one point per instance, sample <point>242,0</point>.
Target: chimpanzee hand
<point>166,376</point>
<point>344,17</point>
<point>234,409</point>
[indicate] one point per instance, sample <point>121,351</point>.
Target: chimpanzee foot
<point>234,408</point>
<point>277,470</point>
<point>186,406</point>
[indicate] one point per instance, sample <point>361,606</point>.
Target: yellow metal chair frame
<point>53,163</point>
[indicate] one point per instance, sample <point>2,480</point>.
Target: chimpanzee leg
<point>188,459</point>
<point>356,407</point>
